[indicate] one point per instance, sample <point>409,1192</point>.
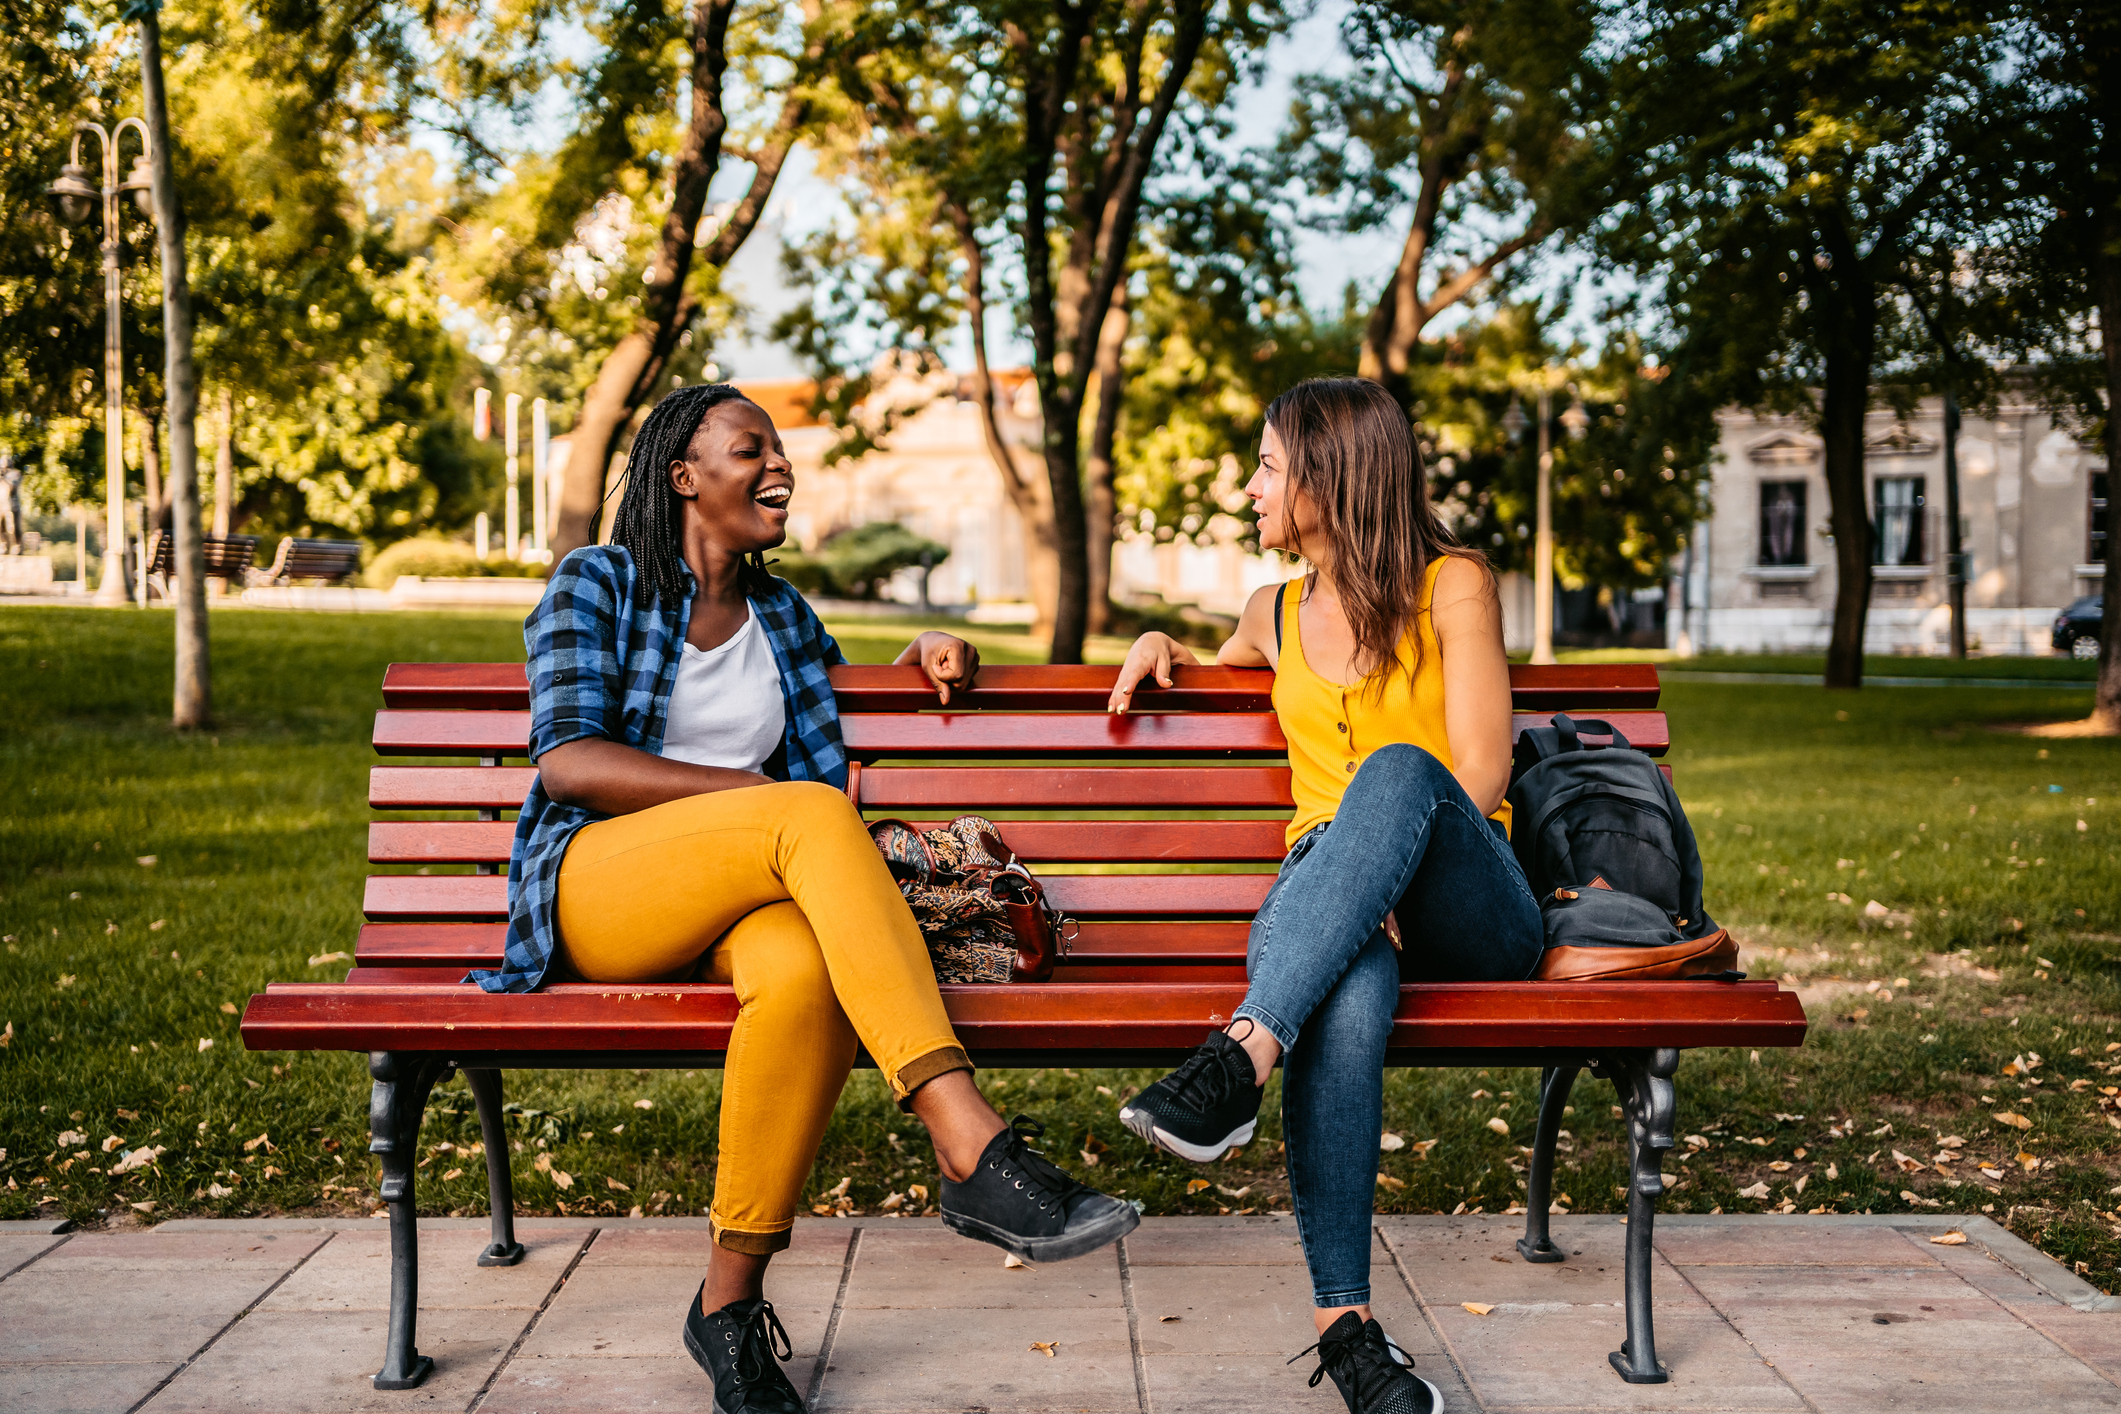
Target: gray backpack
<point>1608,851</point>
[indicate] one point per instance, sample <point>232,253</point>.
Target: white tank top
<point>726,707</point>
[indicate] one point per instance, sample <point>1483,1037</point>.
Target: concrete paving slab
<point>810,1244</point>
<point>1836,1381</point>
<point>574,1385</point>
<point>940,1270</point>
<point>161,1315</point>
<point>1823,1292</point>
<point>1737,1246</point>
<point>19,1249</point>
<point>79,1387</point>
<point>352,1273</point>
<point>48,1227</point>
<point>1476,1259</point>
<point>135,1253</point>
<point>1987,1273</point>
<point>311,1362</point>
<point>1176,1242</point>
<point>637,1311</point>
<point>895,1361</point>
<point>1543,1357</point>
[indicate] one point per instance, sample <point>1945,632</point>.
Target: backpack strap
<point>1281,592</point>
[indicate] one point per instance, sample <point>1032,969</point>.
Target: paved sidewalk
<point>1753,1314</point>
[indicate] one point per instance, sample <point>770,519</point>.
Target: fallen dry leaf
<point>1756,1191</point>
<point>1954,1238</point>
<point>1499,1126</point>
<point>1478,1308</point>
<point>1089,1159</point>
<point>1391,1143</point>
<point>1386,1180</point>
<point>644,1104</point>
<point>111,1142</point>
<point>2013,1119</point>
<point>542,1163</point>
<point>1167,1320</point>
<point>1195,1185</point>
<point>452,1174</point>
<point>617,1187</point>
<point>1833,1171</point>
<point>562,1179</point>
<point>251,1146</point>
<point>1908,1165</point>
<point>917,1192</point>
<point>2028,1162</point>
<point>1421,1147</point>
<point>205,1044</point>
<point>1780,1166</point>
<point>1046,1347</point>
<point>1012,1262</point>
<point>324,959</point>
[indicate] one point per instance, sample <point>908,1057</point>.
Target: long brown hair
<point>1351,453</point>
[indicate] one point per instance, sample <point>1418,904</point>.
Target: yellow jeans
<point>783,884</point>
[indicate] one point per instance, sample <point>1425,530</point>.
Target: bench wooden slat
<point>1095,944</point>
<point>872,735</point>
<point>1074,1020</point>
<point>475,896</point>
<point>959,788</point>
<point>1035,841</point>
<point>1588,687</point>
<point>449,787</point>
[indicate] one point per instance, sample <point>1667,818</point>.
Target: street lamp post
<point>75,198</point>
<point>514,508</point>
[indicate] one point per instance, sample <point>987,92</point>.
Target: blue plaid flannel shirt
<point>603,655</point>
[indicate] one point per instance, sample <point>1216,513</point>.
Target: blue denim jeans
<point>1324,978</point>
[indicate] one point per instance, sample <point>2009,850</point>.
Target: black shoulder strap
<point>1281,592</point>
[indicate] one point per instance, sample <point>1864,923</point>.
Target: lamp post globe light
<point>75,196</point>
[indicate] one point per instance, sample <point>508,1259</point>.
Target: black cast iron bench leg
<point>504,1251</point>
<point>1554,1086</point>
<point>1644,1080</point>
<point>402,1083</point>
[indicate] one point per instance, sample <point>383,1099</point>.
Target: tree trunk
<point>1851,332</point>
<point>151,469</point>
<point>632,369</point>
<point>2106,699</point>
<point>225,463</point>
<point>1100,503</point>
<point>1034,506</point>
<point>192,705</point>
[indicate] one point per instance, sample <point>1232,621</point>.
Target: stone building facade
<point>1760,574</point>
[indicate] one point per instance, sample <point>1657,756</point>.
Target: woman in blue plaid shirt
<point>690,820</point>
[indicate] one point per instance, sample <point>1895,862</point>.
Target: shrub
<point>432,558</point>
<point>856,563</point>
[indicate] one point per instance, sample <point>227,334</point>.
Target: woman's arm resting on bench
<point>1476,679</point>
<point>602,775</point>
<point>1154,654</point>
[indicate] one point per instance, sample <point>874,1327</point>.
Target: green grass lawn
<point>150,882</point>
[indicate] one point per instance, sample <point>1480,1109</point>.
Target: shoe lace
<point>763,1336</point>
<point>1019,1160</point>
<point>1202,1081</point>
<point>1368,1369</point>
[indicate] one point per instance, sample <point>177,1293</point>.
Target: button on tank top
<point>1332,729</point>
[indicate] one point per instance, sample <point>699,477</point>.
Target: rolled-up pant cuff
<point>753,1244</point>
<point>1327,1300</point>
<point>924,1068</point>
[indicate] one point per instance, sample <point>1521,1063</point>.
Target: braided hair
<point>649,514</point>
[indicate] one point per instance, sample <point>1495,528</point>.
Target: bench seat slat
<point>449,787</point>
<point>1079,1018</point>
<point>1608,687</point>
<point>1036,841</point>
<point>480,896</point>
<point>873,735</point>
<point>960,788</point>
<point>1095,944</point>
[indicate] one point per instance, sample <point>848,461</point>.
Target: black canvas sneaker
<point>1019,1201</point>
<point>1203,1108</point>
<point>741,1348</point>
<point>1372,1373</point>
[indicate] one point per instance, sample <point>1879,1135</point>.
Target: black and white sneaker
<point>1019,1201</point>
<point>1202,1109</point>
<point>1371,1372</point>
<point>741,1348</point>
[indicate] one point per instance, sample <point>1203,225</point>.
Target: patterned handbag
<point>984,917</point>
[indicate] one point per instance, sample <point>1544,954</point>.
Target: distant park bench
<point>326,560</point>
<point>226,556</point>
<point>1158,961</point>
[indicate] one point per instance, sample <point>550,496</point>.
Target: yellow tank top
<point>1332,729</point>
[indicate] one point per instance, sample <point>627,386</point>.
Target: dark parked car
<point>2077,628</point>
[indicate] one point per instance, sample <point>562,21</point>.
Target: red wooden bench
<point>1159,959</point>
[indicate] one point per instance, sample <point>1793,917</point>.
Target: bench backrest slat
<point>1588,687</point>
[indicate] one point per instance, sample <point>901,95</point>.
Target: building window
<point>1782,523</point>
<point>1896,527</point>
<point>2099,519</point>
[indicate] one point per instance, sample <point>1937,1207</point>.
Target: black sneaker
<point>737,1346</point>
<point>1374,1375</point>
<point>1202,1109</point>
<point>1017,1200</point>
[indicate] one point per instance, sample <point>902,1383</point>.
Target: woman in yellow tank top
<point>1392,689</point>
